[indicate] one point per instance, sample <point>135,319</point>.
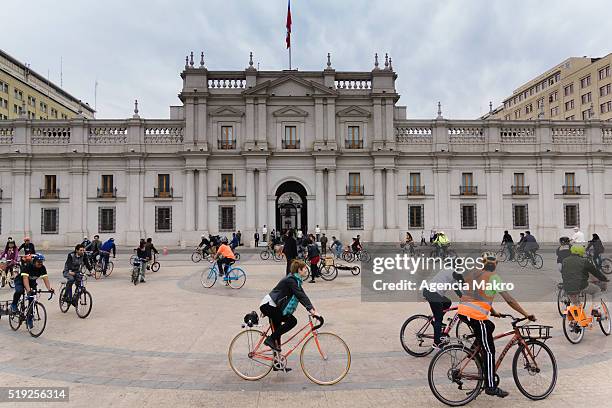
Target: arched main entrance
<point>291,208</point>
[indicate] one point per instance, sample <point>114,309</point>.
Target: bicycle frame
<point>308,327</point>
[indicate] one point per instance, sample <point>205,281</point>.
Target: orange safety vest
<point>226,251</point>
<point>476,303</point>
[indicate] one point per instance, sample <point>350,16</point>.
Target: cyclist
<point>563,251</point>
<point>530,246</point>
<point>598,249</point>
<point>441,242</point>
<point>578,237</point>
<point>438,302</point>
<point>313,256</point>
<point>356,245</point>
<point>94,246</point>
<point>27,246</point>
<point>150,251</point>
<point>280,304</point>
<point>336,246</point>
<point>72,267</point>
<point>25,282</point>
<point>508,242</point>
<point>11,254</point>
<point>224,256</point>
<point>143,254</point>
<point>408,242</point>
<point>235,242</point>
<point>575,272</point>
<point>85,242</point>
<point>476,304</point>
<point>105,250</point>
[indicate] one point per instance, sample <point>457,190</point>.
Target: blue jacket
<point>109,246</point>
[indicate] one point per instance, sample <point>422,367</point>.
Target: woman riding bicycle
<point>280,304</point>
<point>11,254</point>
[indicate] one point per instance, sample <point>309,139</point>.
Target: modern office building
<point>23,90</point>
<point>297,149</point>
<point>576,89</point>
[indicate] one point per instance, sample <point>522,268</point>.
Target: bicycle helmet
<point>564,240</point>
<point>38,257</point>
<point>578,250</point>
<point>488,257</point>
<point>224,240</point>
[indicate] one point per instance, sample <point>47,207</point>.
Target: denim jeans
<point>510,249</point>
<point>105,256</point>
<point>20,289</point>
<point>69,282</point>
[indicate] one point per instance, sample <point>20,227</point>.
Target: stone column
<point>262,205</point>
<point>331,120</point>
<point>389,128</point>
<point>203,200</point>
<point>320,199</point>
<point>250,202</point>
<point>135,192</point>
<point>261,122</point>
<point>190,122</point>
<point>77,192</point>
<point>378,200</point>
<point>202,135</point>
<point>493,182</point>
<point>188,199</point>
<point>391,199</point>
<point>20,199</point>
<point>597,207</point>
<point>331,200</point>
<point>442,193</point>
<point>319,119</point>
<point>546,190</point>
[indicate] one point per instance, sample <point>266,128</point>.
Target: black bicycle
<point>81,298</point>
<point>34,314</point>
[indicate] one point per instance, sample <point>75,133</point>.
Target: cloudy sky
<point>464,53</point>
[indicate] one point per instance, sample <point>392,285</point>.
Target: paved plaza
<point>165,342</point>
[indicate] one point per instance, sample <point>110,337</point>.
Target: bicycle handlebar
<point>515,320</point>
<point>318,325</point>
<point>46,291</point>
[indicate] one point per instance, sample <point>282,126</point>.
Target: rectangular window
<point>108,187</point>
<point>354,187</point>
<point>467,184</point>
<point>604,72</point>
<point>163,185</point>
<point>586,98</point>
<point>227,184</point>
<point>568,90</point>
<point>3,87</point>
<point>354,217</point>
<point>586,114</point>
<point>571,215</point>
<point>415,186</point>
<point>519,183</point>
<point>468,216</point>
<point>50,186</point>
<point>606,107</point>
<point>291,141</point>
<point>553,97</point>
<point>605,90</point>
<point>517,114</point>
<point>106,219</point>
<point>586,81</point>
<point>416,216</point>
<point>520,216</point>
<point>227,219</point>
<point>528,108</point>
<point>354,140</point>
<point>54,113</point>
<point>163,219</point>
<point>227,141</point>
<point>554,111</point>
<point>49,221</point>
<point>569,105</point>
<point>18,94</point>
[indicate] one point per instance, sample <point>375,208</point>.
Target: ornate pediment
<point>290,111</point>
<point>290,85</point>
<point>353,111</point>
<point>226,111</point>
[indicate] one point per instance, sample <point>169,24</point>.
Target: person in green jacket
<point>575,271</point>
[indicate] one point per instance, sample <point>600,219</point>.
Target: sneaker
<point>142,280</point>
<point>270,343</point>
<point>13,308</point>
<point>286,369</point>
<point>312,281</point>
<point>436,346</point>
<point>497,392</point>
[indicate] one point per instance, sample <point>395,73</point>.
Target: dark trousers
<point>222,264</point>
<point>289,261</point>
<point>20,289</point>
<point>256,243</point>
<point>483,332</point>
<point>105,257</point>
<point>423,241</point>
<point>438,305</point>
<point>314,271</point>
<point>280,324</point>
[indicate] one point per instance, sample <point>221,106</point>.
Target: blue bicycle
<point>234,278</point>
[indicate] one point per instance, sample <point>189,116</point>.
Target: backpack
<point>291,305</point>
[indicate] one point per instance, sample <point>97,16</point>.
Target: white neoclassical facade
<point>300,149</point>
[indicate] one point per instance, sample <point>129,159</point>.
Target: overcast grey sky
<point>461,52</point>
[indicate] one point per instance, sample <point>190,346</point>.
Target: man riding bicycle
<point>575,272</point>
<point>356,245</point>
<point>150,251</point>
<point>530,246</point>
<point>25,282</point>
<point>27,246</point>
<point>476,304</point>
<point>224,256</point>
<point>72,267</point>
<point>105,251</point>
<point>441,243</point>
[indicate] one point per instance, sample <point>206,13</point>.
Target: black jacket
<point>94,246</point>
<point>286,288</point>
<point>28,249</point>
<point>150,250</point>
<point>73,263</point>
<point>507,239</point>
<point>563,252</point>
<point>598,247</point>
<point>290,248</point>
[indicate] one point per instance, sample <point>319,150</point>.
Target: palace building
<point>297,149</point>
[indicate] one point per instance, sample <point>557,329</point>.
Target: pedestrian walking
<point>290,250</point>
<point>323,244</point>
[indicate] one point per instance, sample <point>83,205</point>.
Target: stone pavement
<point>165,343</point>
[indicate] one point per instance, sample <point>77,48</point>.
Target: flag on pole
<point>288,25</point>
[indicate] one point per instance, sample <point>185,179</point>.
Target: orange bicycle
<point>576,321</point>
<point>325,358</point>
<point>456,375</point>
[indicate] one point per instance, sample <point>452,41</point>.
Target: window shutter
<point>100,229</point>
<point>361,217</point>
<point>578,215</point>
<point>422,215</point>
<point>220,218</point>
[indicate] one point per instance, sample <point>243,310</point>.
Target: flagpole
<point>289,58</point>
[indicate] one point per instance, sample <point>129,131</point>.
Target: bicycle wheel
<point>98,272</point>
<point>572,330</point>
<point>329,272</point>
<point>604,320</point>
<point>416,335</point>
<point>454,377</point>
<point>196,256</point>
<point>522,260</point>
<point>15,319</point>
<point>563,301</point>
<point>135,274</point>
<point>39,320</point>
<point>63,305</point>
<point>264,255</point>
<point>325,358</point>
<point>355,270</point>
<point>538,261</point>
<point>364,256</point>
<point>98,267</point>
<point>84,304</point>
<point>155,266</point>
<point>534,369</point>
<point>209,276</point>
<point>109,268</point>
<point>248,357</point>
<point>501,255</point>
<point>606,266</point>
<point>237,255</point>
<point>236,278</point>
